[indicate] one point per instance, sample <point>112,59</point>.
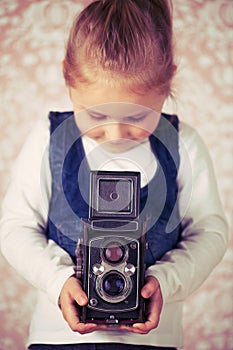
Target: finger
<point>144,328</point>
<point>78,294</point>
<point>139,328</point>
<point>149,288</point>
<point>81,298</point>
<point>70,312</point>
<point>69,305</point>
<point>133,329</point>
<point>153,316</point>
<point>84,328</point>
<point>71,315</point>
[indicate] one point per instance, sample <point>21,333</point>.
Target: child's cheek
<point>94,133</point>
<point>139,133</point>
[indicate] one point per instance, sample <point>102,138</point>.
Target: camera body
<point>110,259</point>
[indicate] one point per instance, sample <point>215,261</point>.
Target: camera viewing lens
<point>113,284</point>
<point>113,253</point>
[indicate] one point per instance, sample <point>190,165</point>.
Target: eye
<point>136,119</point>
<point>96,116</point>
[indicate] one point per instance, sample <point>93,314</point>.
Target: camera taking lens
<point>113,284</point>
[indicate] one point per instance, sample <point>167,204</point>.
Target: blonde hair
<point>122,41</point>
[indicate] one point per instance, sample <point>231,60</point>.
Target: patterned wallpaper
<point>33,34</point>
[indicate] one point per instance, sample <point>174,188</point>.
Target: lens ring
<point>113,286</point>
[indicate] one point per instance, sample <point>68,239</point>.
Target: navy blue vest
<point>70,186</point>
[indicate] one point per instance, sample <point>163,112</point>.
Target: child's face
<point>114,117</point>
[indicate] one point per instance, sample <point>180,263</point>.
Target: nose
<point>115,131</point>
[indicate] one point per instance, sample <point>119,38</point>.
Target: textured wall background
<point>33,35</point>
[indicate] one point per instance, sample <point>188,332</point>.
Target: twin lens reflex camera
<point>110,257</point>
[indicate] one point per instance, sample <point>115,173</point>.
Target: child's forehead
<point>118,108</point>
<point>101,99</point>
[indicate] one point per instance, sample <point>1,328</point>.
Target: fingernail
<point>82,300</point>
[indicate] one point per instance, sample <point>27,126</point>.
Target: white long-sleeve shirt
<point>47,266</point>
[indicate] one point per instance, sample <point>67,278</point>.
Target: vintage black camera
<point>110,259</point>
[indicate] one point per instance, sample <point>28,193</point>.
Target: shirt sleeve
<point>24,218</point>
<point>204,227</point>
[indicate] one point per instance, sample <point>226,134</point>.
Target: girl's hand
<point>72,296</point>
<point>151,291</point>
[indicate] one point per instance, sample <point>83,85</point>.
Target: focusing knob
<point>98,269</point>
<point>130,269</point>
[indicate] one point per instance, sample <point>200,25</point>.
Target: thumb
<point>74,289</point>
<point>149,288</point>
<point>81,299</point>
<point>80,296</point>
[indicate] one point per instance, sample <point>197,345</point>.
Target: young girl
<point>118,68</point>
